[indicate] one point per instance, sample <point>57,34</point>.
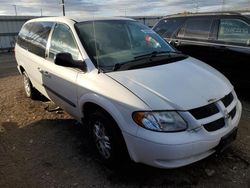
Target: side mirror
<point>66,60</point>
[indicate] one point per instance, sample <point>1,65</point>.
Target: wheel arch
<point>92,101</point>
<point>21,69</point>
<point>91,107</point>
<point>126,126</point>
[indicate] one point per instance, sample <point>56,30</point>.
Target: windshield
<point>112,42</point>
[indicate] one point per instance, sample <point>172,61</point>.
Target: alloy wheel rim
<point>102,140</point>
<point>26,85</point>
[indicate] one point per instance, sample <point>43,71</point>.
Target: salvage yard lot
<point>49,149</point>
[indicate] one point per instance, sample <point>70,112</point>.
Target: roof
<point>80,19</point>
<point>190,14</point>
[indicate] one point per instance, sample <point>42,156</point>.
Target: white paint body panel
<point>31,62</point>
<point>182,85</point>
<point>175,85</point>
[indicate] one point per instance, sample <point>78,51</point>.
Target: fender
<point>111,108</point>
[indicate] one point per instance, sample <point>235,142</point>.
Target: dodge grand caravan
<point>137,95</point>
<point>220,39</point>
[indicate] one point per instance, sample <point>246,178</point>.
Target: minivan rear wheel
<point>106,138</point>
<point>30,91</point>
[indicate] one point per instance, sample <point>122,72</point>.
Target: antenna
<point>15,10</point>
<point>96,52</point>
<point>63,7</point>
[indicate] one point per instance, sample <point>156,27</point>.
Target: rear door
<point>59,81</point>
<point>33,40</point>
<point>233,48</point>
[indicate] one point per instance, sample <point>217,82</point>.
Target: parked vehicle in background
<point>220,39</point>
<point>136,94</point>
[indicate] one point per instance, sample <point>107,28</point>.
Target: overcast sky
<point>76,8</point>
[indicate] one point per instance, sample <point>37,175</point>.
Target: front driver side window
<point>62,40</point>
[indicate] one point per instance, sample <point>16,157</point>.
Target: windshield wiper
<point>155,53</point>
<point>117,66</point>
<point>140,61</point>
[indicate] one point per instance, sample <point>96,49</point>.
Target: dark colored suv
<point>219,39</point>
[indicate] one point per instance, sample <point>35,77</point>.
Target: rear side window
<point>167,27</point>
<point>34,37</point>
<point>22,38</point>
<point>235,31</point>
<point>197,28</point>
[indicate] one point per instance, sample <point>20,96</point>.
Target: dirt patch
<point>47,149</point>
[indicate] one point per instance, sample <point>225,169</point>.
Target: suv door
<point>233,40</point>
<point>60,81</point>
<point>194,37</point>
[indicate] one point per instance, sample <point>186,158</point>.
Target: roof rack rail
<point>205,13</point>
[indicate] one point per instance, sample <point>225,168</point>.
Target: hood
<point>181,85</point>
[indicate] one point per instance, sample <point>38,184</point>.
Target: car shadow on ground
<point>54,152</point>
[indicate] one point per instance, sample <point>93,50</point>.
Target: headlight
<point>165,121</point>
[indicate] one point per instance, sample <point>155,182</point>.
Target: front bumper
<point>171,150</point>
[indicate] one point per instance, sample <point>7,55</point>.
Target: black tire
<point>30,91</point>
<point>112,138</point>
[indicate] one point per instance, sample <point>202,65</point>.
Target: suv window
<point>62,40</point>
<point>234,30</point>
<point>34,37</point>
<point>197,28</point>
<point>167,27</point>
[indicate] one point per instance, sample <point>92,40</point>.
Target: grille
<point>215,125</point>
<point>204,111</point>
<point>212,109</point>
<point>233,112</point>
<point>227,99</point>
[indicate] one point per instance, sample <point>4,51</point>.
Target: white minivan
<point>136,93</point>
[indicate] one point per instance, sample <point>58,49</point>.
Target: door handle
<point>40,70</point>
<point>45,73</point>
<point>222,48</point>
<point>175,42</point>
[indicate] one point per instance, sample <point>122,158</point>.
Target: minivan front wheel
<point>28,88</point>
<point>107,138</point>
<point>102,139</point>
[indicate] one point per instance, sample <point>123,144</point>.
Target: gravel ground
<point>49,149</point>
